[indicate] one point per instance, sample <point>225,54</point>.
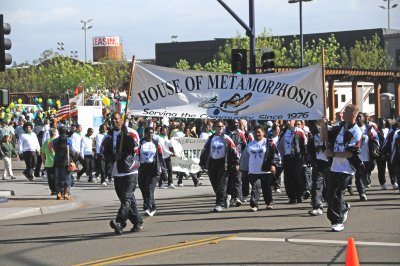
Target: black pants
<point>38,166</point>
<point>292,168</point>
<point>125,187</point>
<point>82,162</point>
<point>234,186</point>
<point>318,187</point>
<point>307,179</point>
<point>245,185</point>
<point>277,182</point>
<point>148,179</point>
<point>263,181</point>
<point>30,159</point>
<point>88,166</point>
<point>336,184</point>
<point>361,178</point>
<point>166,174</point>
<point>100,167</point>
<point>50,179</point>
<point>195,177</point>
<point>218,179</point>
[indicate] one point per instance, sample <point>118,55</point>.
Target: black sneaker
<point>292,201</point>
<point>116,226</point>
<point>299,200</point>
<point>137,227</point>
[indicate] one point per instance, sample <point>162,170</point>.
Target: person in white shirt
<point>345,142</point>
<point>76,148</point>
<point>99,159</point>
<point>86,153</point>
<point>167,152</point>
<point>29,148</point>
<point>260,158</point>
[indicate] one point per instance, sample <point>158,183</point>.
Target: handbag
<point>71,165</point>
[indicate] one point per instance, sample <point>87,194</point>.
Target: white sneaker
<point>162,186</point>
<point>147,213</point>
<point>345,214</point>
<point>217,208</point>
<point>278,190</point>
<point>383,187</point>
<point>254,209</point>
<point>395,185</point>
<point>104,183</point>
<point>228,201</point>
<point>171,186</point>
<point>316,212</point>
<point>238,202</point>
<point>153,212</point>
<point>337,228</point>
<point>180,185</point>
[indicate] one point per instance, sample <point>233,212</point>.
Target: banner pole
<point>323,79</point>
<point>126,107</point>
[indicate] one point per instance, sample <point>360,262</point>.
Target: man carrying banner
<point>123,171</point>
<point>218,155</point>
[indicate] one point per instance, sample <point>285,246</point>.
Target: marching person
<point>99,159</point>
<point>292,148</point>
<point>124,171</point>
<point>29,148</point>
<point>316,150</point>
<point>76,149</point>
<point>86,153</point>
<point>260,159</point>
<point>151,164</point>
<point>62,147</point>
<point>47,154</point>
<point>167,151</point>
<point>391,150</point>
<point>218,155</point>
<point>7,150</point>
<point>345,141</point>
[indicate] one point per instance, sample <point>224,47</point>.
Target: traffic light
<point>239,61</point>
<point>267,61</point>
<point>4,98</point>
<point>5,44</point>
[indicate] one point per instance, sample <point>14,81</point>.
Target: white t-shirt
<point>342,165</point>
<point>287,138</point>
<point>165,143</point>
<point>256,150</point>
<point>147,152</point>
<point>205,135</point>
<point>320,154</point>
<point>364,150</point>
<point>218,149</point>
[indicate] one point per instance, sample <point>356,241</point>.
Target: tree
<point>368,54</point>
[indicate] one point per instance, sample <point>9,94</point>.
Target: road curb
<point>20,212</point>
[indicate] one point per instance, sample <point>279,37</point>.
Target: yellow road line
<point>143,253</point>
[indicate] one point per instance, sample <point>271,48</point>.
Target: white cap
<point>269,123</point>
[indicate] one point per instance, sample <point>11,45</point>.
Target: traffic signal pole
<point>250,31</point>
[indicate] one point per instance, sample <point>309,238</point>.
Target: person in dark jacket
<point>218,153</point>
<point>119,150</point>
<point>151,165</point>
<point>61,146</point>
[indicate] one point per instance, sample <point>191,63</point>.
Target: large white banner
<point>187,152</point>
<point>168,92</point>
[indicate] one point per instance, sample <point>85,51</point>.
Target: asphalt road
<point>185,231</point>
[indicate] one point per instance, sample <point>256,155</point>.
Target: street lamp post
<point>74,54</point>
<point>388,10</point>
<point>301,25</point>
<point>84,28</point>
<point>60,47</point>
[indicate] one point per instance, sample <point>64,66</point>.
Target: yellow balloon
<point>19,101</point>
<point>58,102</point>
<point>40,100</point>
<point>106,101</point>
<point>11,105</point>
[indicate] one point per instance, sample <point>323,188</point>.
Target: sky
<point>38,25</point>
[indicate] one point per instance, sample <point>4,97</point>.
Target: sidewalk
<point>30,198</point>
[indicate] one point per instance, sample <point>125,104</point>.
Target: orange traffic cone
<point>351,256</point>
